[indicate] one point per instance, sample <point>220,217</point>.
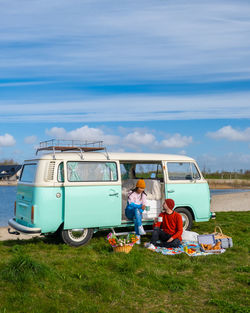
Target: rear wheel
<point>77,237</point>
<point>187,218</point>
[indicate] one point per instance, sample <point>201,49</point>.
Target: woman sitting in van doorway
<point>135,206</point>
<point>168,228</point>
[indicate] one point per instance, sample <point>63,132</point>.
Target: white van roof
<point>90,156</point>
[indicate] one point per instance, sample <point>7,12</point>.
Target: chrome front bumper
<point>22,228</point>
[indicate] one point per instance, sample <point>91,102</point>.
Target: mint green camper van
<point>77,189</point>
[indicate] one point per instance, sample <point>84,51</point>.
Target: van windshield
<point>28,173</point>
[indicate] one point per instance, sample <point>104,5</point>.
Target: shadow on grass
<point>24,242</point>
<point>53,239</point>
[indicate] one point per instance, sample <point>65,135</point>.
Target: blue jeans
<point>134,212</point>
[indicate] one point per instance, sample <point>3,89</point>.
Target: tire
<point>187,218</point>
<point>77,237</point>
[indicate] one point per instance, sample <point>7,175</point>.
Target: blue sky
<point>152,76</point>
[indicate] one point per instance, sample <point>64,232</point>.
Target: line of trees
<point>8,162</point>
<point>239,174</point>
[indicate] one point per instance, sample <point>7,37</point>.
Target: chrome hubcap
<point>184,220</point>
<point>77,234</point>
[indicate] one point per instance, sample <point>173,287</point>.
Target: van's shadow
<point>22,242</point>
<point>55,239</point>
<point>48,239</point>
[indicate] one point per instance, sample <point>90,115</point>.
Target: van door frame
<point>102,184</point>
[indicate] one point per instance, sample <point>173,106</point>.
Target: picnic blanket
<point>190,245</point>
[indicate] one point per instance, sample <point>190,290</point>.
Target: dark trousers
<point>159,234</point>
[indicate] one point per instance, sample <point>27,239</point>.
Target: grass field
<point>41,275</point>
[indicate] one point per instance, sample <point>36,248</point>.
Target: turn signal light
<point>32,214</point>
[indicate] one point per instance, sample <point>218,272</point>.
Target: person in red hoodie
<point>168,228</point>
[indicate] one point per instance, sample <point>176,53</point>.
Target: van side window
<point>141,170</point>
<point>91,171</point>
<point>153,171</point>
<point>60,173</point>
<point>28,173</point>
<point>182,171</point>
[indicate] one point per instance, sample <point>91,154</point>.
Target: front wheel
<point>77,237</point>
<point>187,218</point>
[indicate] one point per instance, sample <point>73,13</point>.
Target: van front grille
<point>51,170</point>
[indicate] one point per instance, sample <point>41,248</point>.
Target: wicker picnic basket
<point>226,241</point>
<point>218,234</point>
<point>125,248</point>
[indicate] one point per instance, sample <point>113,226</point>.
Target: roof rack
<point>70,145</point>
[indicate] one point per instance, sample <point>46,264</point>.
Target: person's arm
<point>179,227</point>
<point>156,223</point>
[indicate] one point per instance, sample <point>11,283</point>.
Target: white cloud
<point>18,84</point>
<point>177,141</point>
<point>137,139</point>
<point>83,133</point>
<point>131,108</point>
<point>57,132</point>
<point>156,39</point>
<point>229,133</point>
<point>7,140</point>
<point>30,139</point>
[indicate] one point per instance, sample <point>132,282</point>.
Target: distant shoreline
<point>229,183</point>
<point>8,183</point>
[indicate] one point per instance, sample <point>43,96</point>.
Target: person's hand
<point>170,239</point>
<point>156,220</point>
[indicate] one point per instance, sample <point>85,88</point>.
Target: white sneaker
<point>141,230</point>
<point>151,247</point>
<point>147,244</point>
<point>138,242</point>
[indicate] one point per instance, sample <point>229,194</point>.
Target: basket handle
<point>220,231</point>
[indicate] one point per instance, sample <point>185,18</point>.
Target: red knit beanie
<point>170,203</point>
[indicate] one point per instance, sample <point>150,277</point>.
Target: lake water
<point>224,191</point>
<point>8,197</point>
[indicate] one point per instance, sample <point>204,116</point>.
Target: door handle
<point>170,191</point>
<point>114,194</point>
